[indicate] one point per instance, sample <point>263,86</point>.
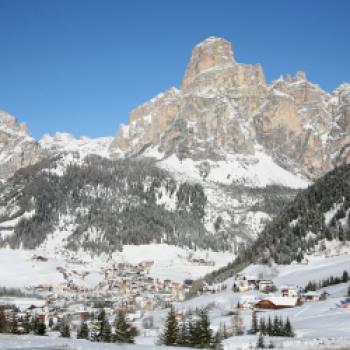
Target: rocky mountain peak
<point>211,54</point>
<point>17,147</point>
<point>226,108</point>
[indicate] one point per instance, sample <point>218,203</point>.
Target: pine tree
<point>83,332</point>
<point>260,343</point>
<point>27,325</point>
<point>122,330</point>
<point>216,342</point>
<point>237,324</point>
<point>106,335</point>
<point>39,327</point>
<point>205,332</point>
<point>345,277</point>
<point>13,323</point>
<point>102,321</point>
<point>271,345</point>
<point>65,330</point>
<point>171,330</point>
<point>288,331</point>
<point>94,332</point>
<point>262,326</point>
<point>3,322</point>
<point>254,329</point>
<point>276,327</point>
<point>269,327</point>
<point>183,336</point>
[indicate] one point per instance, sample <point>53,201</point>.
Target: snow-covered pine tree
<point>205,332</point>
<point>83,332</point>
<point>170,334</point>
<point>65,330</point>
<point>262,326</point>
<point>260,343</point>
<point>254,328</point>
<point>122,328</point>
<point>288,330</point>
<point>237,324</point>
<point>106,335</point>
<point>3,322</point>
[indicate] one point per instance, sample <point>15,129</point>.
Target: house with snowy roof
<point>274,303</point>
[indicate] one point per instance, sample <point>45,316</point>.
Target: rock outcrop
<point>18,148</point>
<point>225,107</point>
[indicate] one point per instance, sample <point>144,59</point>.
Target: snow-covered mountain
<point>227,108</point>
<point>18,148</point>
<point>205,165</point>
<point>63,142</point>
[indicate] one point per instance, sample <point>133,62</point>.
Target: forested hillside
<point>317,214</point>
<point>108,203</point>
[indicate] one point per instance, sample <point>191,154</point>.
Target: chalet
<point>276,303</point>
<point>244,283</point>
<point>290,291</point>
<point>266,286</point>
<point>312,296</point>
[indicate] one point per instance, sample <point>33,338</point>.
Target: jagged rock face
<point>18,148</point>
<point>225,107</point>
<point>208,117</point>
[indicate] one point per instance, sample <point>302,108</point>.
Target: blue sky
<point>81,65</point>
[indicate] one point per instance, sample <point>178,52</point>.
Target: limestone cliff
<point>225,107</point>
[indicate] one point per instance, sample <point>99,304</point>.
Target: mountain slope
<point>317,216</point>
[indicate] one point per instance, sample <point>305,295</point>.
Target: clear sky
<point>81,65</point>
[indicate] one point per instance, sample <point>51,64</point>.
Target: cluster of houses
<point>271,298</point>
<point>124,287</point>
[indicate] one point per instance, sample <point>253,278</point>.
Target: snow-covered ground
<point>31,342</point>
<point>258,170</point>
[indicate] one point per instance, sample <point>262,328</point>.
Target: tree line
<point>193,332</point>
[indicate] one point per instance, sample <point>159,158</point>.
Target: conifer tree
<point>254,329</point>
<point>205,332</point>
<point>216,342</point>
<point>39,327</point>
<point>269,327</point>
<point>262,326</point>
<point>27,325</point>
<point>106,335</point>
<point>237,324</point>
<point>83,332</point>
<point>345,277</point>
<point>122,329</point>
<point>102,322</point>
<point>276,327</point>
<point>288,331</point>
<point>3,322</point>
<point>13,323</point>
<point>170,334</point>
<point>260,343</point>
<point>65,330</point>
<point>183,336</point>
